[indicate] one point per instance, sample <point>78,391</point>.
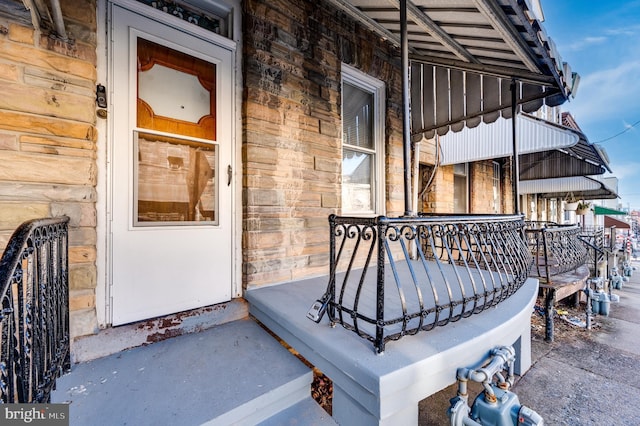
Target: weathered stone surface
<point>10,191</point>
<point>80,254</point>
<point>83,323</point>
<point>30,55</point>
<point>58,81</point>
<point>82,277</point>
<point>8,142</point>
<point>34,124</point>
<point>80,214</point>
<point>265,197</point>
<point>9,72</point>
<point>21,34</point>
<point>81,299</point>
<point>35,100</point>
<point>25,167</point>
<point>13,214</point>
<point>331,200</point>
<point>82,236</point>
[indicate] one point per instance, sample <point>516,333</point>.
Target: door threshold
<point>115,339</point>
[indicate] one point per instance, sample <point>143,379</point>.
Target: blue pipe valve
<point>497,405</point>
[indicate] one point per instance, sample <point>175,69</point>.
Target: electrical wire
<point>618,134</point>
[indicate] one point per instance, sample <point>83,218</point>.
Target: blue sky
<point>601,42</point>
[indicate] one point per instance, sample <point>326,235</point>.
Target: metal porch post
<point>406,125</point>
<point>515,164</point>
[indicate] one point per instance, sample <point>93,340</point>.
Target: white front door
<point>171,153</point>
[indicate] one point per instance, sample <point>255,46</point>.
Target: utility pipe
<point>58,22</point>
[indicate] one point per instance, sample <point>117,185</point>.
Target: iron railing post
<point>382,234</point>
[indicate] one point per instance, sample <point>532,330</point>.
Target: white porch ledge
<point>385,389</point>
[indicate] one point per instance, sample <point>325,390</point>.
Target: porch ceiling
<point>464,55</point>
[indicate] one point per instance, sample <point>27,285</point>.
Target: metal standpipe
<point>496,405</point>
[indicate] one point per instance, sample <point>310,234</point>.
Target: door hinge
<point>229,174</point>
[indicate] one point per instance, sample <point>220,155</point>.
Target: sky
<point>601,41</point>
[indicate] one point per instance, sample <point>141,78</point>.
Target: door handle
<point>229,174</point>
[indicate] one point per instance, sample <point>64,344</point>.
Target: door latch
<point>229,174</point>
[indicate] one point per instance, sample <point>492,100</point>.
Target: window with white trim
<point>362,143</point>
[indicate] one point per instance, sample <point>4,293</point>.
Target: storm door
<point>171,152</point>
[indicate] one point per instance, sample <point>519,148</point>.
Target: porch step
<point>234,373</point>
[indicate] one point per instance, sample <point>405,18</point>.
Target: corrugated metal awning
<point>582,159</point>
<point>581,187</point>
<point>494,141</point>
<point>464,56</point>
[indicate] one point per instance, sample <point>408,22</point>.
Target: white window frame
<point>496,179</point>
<point>376,87</point>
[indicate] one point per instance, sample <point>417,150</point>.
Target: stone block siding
<point>48,140</point>
<point>439,197</point>
<point>481,188</point>
<point>292,155</point>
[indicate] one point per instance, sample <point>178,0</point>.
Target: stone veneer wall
<point>292,155</point>
<point>48,139</point>
<point>439,197</point>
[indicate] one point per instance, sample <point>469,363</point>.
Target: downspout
<point>406,125</point>
<point>58,22</point>
<point>515,164</point>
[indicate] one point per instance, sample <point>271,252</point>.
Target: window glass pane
<point>459,194</point>
<point>357,120</point>
<point>496,187</point>
<point>460,169</point>
<point>357,188</point>
<point>175,180</point>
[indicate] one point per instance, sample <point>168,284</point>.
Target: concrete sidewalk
<point>582,378</point>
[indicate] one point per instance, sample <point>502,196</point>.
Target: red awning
<point>619,224</point>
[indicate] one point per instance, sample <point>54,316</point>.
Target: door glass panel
<point>175,181</point>
<point>176,92</point>
<point>184,99</point>
<point>175,138</point>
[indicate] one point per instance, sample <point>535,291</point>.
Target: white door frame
<point>105,130</point>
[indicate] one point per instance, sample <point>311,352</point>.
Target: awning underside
<point>574,161</point>
<point>464,56</point>
<point>444,99</point>
<point>580,187</point>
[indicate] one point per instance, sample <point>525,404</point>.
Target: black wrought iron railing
<point>555,248</point>
<point>34,321</point>
<point>391,277</point>
<point>594,242</point>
